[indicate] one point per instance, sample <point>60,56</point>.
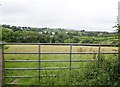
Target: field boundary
<point>53,68</point>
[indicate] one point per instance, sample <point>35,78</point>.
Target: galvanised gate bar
<point>51,68</point>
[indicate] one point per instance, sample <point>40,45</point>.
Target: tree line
<point>23,35</point>
<point>46,35</point>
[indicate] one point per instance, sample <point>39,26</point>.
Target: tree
<point>118,32</point>
<point>76,39</point>
<point>61,37</point>
<point>7,35</point>
<point>53,39</point>
<point>68,41</point>
<point>88,40</point>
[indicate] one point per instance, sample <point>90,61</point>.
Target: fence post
<point>2,66</point>
<point>39,57</point>
<point>70,55</point>
<point>99,56</point>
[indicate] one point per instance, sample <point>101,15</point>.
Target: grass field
<point>63,77</point>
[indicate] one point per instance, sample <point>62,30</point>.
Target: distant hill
<point>56,35</point>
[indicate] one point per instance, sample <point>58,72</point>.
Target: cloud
<point>60,13</point>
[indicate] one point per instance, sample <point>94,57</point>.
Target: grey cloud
<point>60,13</point>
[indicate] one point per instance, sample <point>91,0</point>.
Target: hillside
<point>58,35</point>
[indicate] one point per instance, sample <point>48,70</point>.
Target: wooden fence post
<point>2,67</point>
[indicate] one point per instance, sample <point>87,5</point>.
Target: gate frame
<point>39,57</point>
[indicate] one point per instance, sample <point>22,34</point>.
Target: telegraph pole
<point>119,13</point>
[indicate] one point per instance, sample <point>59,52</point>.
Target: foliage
<point>87,74</point>
<point>47,35</point>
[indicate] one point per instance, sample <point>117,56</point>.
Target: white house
<point>40,32</point>
<point>45,32</point>
<point>53,33</point>
<point>66,32</point>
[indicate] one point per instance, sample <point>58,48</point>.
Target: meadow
<point>88,72</point>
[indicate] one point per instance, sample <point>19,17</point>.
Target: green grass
<point>63,77</point>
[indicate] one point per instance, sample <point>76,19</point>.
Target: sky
<point>90,15</point>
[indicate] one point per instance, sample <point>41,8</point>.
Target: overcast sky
<point>90,15</point>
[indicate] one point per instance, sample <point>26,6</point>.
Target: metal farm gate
<point>39,68</point>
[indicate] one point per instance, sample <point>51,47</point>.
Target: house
<point>53,33</point>
<point>40,32</point>
<point>66,32</point>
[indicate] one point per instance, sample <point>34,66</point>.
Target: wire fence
<point>39,60</point>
